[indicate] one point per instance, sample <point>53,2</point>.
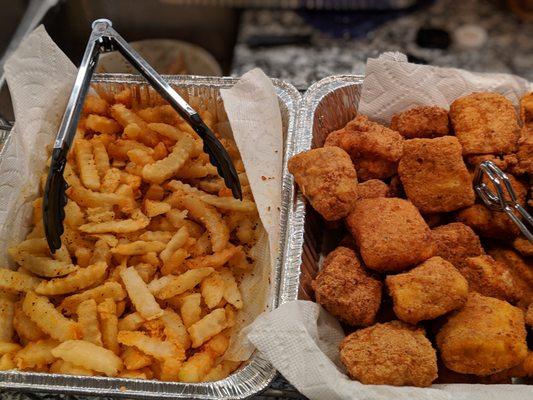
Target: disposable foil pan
<point>327,106</point>
<point>255,374</point>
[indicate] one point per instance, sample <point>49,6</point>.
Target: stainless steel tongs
<point>499,201</point>
<point>105,39</point>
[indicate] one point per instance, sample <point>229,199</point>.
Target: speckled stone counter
<point>509,47</point>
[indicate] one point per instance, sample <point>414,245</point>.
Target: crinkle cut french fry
<point>146,271</point>
<point>178,240</point>
<point>26,329</point>
<point>77,280</point>
<point>124,117</point>
<point>95,105</point>
<point>101,158</point>
<point>34,246</point>
<point>143,301</point>
<point>154,347</point>
<point>196,367</point>
<point>175,134</point>
<point>164,169</point>
<point>41,265</point>
<point>101,252</point>
<point>195,169</point>
<point>111,290</point>
<point>101,124</point>
<point>135,359</point>
<point>212,289</point>
<point>7,362</point>
<point>201,247</point>
<point>117,226</point>
<point>209,326</point>
<point>190,309</point>
<point>175,330</point>
<point>181,283</point>
<point>90,356</point>
<point>36,355</point>
<point>7,310</point>
<point>232,294</point>
<point>140,157</point>
<point>87,198</point>
<point>208,216</point>
<point>67,368</point>
<point>175,263</point>
<point>107,313</point>
<point>110,180</point>
<point>16,281</point>
<point>99,214</point>
<point>51,321</point>
<point>138,247</point>
<point>154,208</point>
<point>218,344</point>
<point>221,371</point>
<point>83,151</point>
<point>74,216</point>
<point>88,322</point>
<point>164,113</point>
<point>156,236</point>
<point>215,260</point>
<point>131,322</point>
<point>83,256</point>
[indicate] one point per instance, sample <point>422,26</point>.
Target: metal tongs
<point>499,201</point>
<point>105,39</point>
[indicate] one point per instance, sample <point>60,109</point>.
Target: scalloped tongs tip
<point>105,39</point>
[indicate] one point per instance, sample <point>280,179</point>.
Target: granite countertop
<point>509,46</point>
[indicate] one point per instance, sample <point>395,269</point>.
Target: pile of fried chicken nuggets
<point>456,274</point>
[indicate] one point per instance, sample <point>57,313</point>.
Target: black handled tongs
<point>105,39</point>
<point>499,201</point>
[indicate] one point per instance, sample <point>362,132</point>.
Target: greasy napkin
<point>299,338</point>
<point>40,78</point>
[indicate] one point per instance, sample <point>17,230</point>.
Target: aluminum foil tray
<point>327,106</point>
<point>255,374</point>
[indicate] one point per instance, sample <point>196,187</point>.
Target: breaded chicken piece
<point>391,233</point>
<point>446,375</point>
<point>327,178</point>
<point>372,188</point>
<point>523,246</point>
<point>392,353</point>
<point>493,224</point>
<point>486,336</point>
<point>344,289</point>
<point>456,242</point>
<point>524,154</point>
<point>526,108</point>
<point>428,291</point>
<point>505,162</point>
<point>491,278</point>
<point>434,175</point>
<point>529,315</point>
<point>374,148</point>
<point>485,123</point>
<point>421,122</point>
<point>520,268</point>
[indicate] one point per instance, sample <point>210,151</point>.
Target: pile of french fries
<point>146,283</point>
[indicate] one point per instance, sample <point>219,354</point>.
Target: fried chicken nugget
<point>505,162</point>
<point>391,234</point>
<point>456,242</point>
<point>524,155</point>
<point>373,148</point>
<point>523,246</point>
<point>421,122</point>
<point>434,175</point>
<point>491,278</point>
<point>520,268</point>
<point>526,108</point>
<point>486,336</point>
<point>428,291</point>
<point>529,316</point>
<point>372,188</point>
<point>327,179</point>
<point>485,123</point>
<point>392,353</point>
<point>344,289</point>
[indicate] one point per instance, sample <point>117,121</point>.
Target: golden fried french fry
<point>99,214</point>
<point>175,134</point>
<point>212,289</point>
<point>111,290</point>
<point>80,279</point>
<point>118,150</point>
<point>146,271</point>
<point>137,222</point>
<point>88,355</point>
<point>138,247</point>
<point>196,168</point>
<point>26,329</point>
<point>190,309</point>
<point>7,362</point>
<point>169,369</point>
<point>88,322</point>
<point>8,347</point>
<point>155,192</point>
<point>107,314</point>
<point>67,368</point>
<point>202,246</point>
<point>36,355</point>
<point>83,150</point>
<point>232,293</point>
<point>240,262</point>
<point>134,374</point>
<point>95,105</point>
<point>143,301</point>
<point>62,254</point>
<point>164,169</point>
<point>16,281</point>
<point>110,180</point>
<point>51,321</point>
<point>164,113</point>
<point>175,330</point>
<point>135,359</point>
<point>131,322</point>
<point>207,215</point>
<point>156,236</point>
<point>140,157</point>
<point>7,310</point>
<point>150,258</point>
<point>215,260</point>
<point>154,208</point>
<point>108,238</point>
<point>225,203</point>
<point>207,327</point>
<point>101,158</point>
<point>83,256</point>
<point>154,347</point>
<point>101,252</point>
<point>87,198</point>
<point>125,117</point>
<point>100,124</point>
<point>177,241</point>
<point>37,246</point>
<point>196,367</point>
<point>74,216</point>
<point>39,265</point>
<point>175,263</point>
<point>175,285</point>
<point>218,344</point>
<point>124,97</point>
